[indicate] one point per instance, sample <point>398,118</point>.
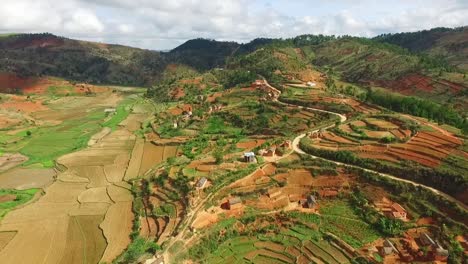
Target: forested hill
<point>390,61</point>
<point>46,54</point>
<point>451,44</point>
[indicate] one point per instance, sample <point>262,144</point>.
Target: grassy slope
<point>22,197</point>
<point>449,43</point>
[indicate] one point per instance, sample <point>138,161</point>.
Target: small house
<point>398,212</point>
<point>270,152</point>
<point>441,254</point>
<point>110,111</point>
<point>426,240</point>
<point>202,182</point>
<point>311,201</point>
<point>286,144</point>
<point>249,157</point>
<point>234,203</point>
<point>257,84</point>
<point>388,248</point>
<point>311,84</point>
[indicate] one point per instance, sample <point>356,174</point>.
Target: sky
<point>163,25</point>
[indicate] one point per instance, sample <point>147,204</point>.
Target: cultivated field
<point>85,215</point>
<point>389,139</point>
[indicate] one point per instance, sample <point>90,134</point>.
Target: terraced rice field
<point>170,210</point>
<point>153,155</point>
<point>278,249</point>
<point>426,148</point>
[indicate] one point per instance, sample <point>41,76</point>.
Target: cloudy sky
<point>161,25</point>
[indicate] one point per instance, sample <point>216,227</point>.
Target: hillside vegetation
<point>451,44</point>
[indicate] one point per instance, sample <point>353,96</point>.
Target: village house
<point>311,84</point>
<point>110,111</point>
<point>286,144</point>
<point>391,209</point>
<point>388,248</point>
<point>426,240</point>
<point>311,201</point>
<point>398,212</point>
<point>270,152</point>
<point>234,203</point>
<point>440,254</point>
<point>249,157</point>
<point>202,182</point>
<point>258,84</point>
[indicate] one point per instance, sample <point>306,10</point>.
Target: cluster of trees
<point>418,107</point>
<point>387,226</point>
<point>237,77</point>
<point>423,200</point>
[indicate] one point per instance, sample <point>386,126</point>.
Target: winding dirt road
<point>295,145</point>
<point>297,149</point>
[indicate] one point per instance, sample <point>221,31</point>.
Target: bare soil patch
<point>26,178</point>
<point>7,198</point>
<point>135,160</point>
<point>117,226</point>
<point>10,160</point>
<point>5,237</point>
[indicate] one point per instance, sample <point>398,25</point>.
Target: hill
<point>46,54</point>
<point>450,44</point>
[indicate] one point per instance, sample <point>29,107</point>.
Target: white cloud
<point>83,21</point>
<point>159,24</point>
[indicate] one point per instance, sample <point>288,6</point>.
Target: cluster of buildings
<point>410,250</point>
<point>271,93</point>
<point>275,149</point>
<point>215,108</point>
<point>391,209</point>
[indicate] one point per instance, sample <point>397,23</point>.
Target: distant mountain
<point>420,63</point>
<point>450,44</point>
<point>203,54</point>
<point>46,54</point>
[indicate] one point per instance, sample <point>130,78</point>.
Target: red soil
<point>24,106</point>
<point>426,221</point>
<point>43,42</point>
<point>178,93</point>
<point>213,97</point>
<point>417,82</point>
<point>250,144</point>
<point>11,83</point>
<point>409,83</point>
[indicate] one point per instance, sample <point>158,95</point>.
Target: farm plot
<point>166,209</point>
<point>383,124</point>
<point>5,237</point>
<point>153,155</point>
<point>116,227</point>
<point>84,216</point>
<point>85,243</point>
<point>276,248</point>
<point>389,141</point>
<point>26,178</point>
